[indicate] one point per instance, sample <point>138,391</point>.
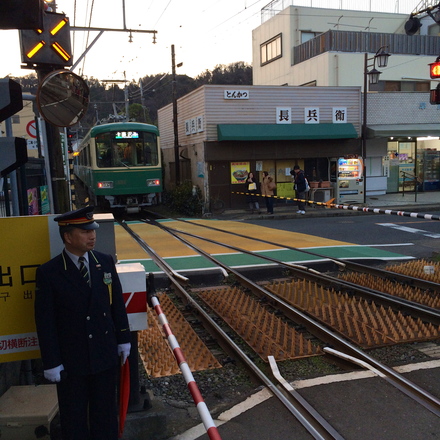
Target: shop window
<point>422,86</point>
<point>271,50</point>
<point>392,86</point>
<point>415,86</point>
<point>400,86</point>
<point>308,35</point>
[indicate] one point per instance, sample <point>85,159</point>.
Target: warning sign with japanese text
<point>25,243</point>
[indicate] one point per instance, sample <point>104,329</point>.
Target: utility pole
<point>176,134</point>
<point>54,151</point>
<point>126,99</point>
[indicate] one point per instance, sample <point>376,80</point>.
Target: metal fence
<point>366,42</point>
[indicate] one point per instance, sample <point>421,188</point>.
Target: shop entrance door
<point>402,165</point>
<point>219,177</point>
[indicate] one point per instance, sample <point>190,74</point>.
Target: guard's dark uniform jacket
<point>80,326</point>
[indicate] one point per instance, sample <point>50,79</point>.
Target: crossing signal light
<point>434,68</point>
<point>49,44</point>
<point>72,135</point>
<point>69,140</point>
<point>11,98</point>
<point>21,14</point>
<point>412,25</point>
<point>13,149</point>
<point>434,71</point>
<point>14,154</point>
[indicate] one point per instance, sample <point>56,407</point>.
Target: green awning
<point>406,130</point>
<point>284,132</point>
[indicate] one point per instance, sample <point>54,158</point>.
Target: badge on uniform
<point>107,278</point>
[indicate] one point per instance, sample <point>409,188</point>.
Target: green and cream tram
<point>120,166</point>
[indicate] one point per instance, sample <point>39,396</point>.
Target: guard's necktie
<point>83,270</point>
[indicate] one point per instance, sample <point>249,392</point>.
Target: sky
<point>204,33</point>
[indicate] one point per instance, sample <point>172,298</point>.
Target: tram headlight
<point>105,185</point>
<point>153,182</point>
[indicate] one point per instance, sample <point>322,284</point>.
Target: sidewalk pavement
<point>409,202</point>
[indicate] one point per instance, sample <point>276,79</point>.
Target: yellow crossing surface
<point>168,246</point>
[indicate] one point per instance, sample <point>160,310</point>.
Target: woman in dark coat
<point>251,193</point>
<point>300,186</point>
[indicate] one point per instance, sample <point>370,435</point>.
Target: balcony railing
<point>396,6</point>
<point>366,42</point>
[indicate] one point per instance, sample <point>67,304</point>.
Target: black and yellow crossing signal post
<point>49,45</point>
<point>47,49</point>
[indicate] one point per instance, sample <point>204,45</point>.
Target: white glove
<point>124,351</point>
<point>54,374</point>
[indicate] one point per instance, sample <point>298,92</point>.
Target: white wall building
<point>303,46</point>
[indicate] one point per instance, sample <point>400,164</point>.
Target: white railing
<point>397,6</point>
<point>424,4</point>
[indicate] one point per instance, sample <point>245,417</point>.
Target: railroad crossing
<point>186,261</point>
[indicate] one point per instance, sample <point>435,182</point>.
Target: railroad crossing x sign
<point>50,45</point>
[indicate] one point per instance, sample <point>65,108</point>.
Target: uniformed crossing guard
<point>83,330</point>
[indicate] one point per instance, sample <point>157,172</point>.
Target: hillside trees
<point>107,100</point>
<point>238,73</point>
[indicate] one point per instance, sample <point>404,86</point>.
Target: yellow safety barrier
<point>328,204</point>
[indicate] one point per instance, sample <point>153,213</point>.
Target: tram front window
<point>150,150</point>
<point>112,153</point>
<point>109,155</point>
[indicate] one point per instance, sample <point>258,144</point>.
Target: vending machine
<point>347,177</point>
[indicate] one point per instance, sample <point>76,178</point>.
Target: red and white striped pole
<point>387,211</point>
<point>207,420</point>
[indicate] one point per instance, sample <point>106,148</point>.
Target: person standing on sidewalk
<point>251,193</point>
<point>267,187</point>
<point>300,188</point>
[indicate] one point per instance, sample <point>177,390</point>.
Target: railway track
<point>342,265</point>
<point>304,272</point>
<point>333,341</point>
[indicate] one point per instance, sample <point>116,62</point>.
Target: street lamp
<point>373,78</point>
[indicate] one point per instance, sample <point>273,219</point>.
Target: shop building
<point>405,126</point>
<point>303,46</point>
<point>226,131</point>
